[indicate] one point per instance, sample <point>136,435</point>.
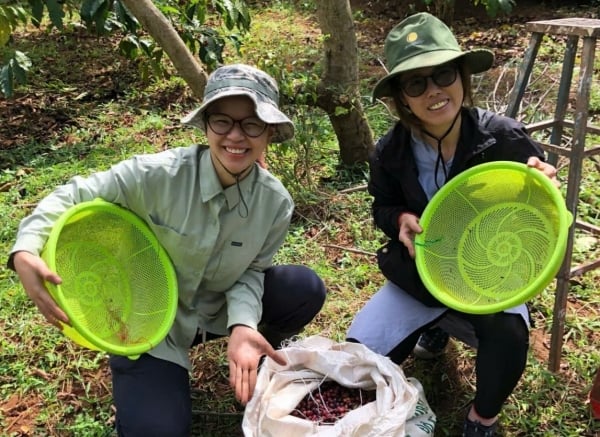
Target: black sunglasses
<point>442,76</point>
<point>222,124</point>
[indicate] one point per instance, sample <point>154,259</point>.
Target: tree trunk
<point>444,10</point>
<point>338,91</point>
<point>157,25</point>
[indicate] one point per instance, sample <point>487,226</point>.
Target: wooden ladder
<point>588,30</point>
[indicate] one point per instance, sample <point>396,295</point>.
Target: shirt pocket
<point>186,257</point>
<point>228,264</point>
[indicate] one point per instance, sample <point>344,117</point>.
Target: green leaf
<point>234,13</point>
<point>507,5</point>
<point>129,47</point>
<point>5,30</point>
<point>37,11</point>
<point>6,81</point>
<point>19,74</point>
<point>22,60</point>
<point>198,11</point>
<point>95,13</point>
<point>493,6</point>
<point>10,17</point>
<point>56,13</point>
<point>89,8</point>
<point>15,70</point>
<point>125,17</point>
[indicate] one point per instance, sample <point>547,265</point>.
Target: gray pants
<point>392,319</point>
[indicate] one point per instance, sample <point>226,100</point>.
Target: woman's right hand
<point>33,271</point>
<point>409,227</point>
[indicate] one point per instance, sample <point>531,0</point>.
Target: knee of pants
<point>152,397</point>
<point>506,328</point>
<point>517,329</point>
<point>293,294</point>
<point>316,300</point>
<point>314,289</point>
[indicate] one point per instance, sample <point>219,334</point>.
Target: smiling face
<point>235,152</point>
<point>438,105</point>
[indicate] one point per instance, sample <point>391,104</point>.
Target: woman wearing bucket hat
<point>221,218</point>
<point>439,135</point>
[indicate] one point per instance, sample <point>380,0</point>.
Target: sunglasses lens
<point>415,86</point>
<point>443,76</point>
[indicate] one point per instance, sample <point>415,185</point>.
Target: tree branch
<point>349,249</point>
<point>163,32</point>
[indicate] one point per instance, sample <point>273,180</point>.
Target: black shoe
<point>432,343</point>
<point>476,429</point>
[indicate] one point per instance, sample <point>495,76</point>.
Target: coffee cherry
<point>330,402</point>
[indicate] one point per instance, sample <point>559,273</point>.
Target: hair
<point>407,118</point>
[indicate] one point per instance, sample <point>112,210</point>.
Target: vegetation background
<point>86,107</point>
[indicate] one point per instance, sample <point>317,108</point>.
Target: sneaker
<point>476,429</point>
<point>432,343</point>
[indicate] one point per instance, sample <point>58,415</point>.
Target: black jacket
<point>484,137</point>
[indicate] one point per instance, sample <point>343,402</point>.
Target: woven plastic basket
<point>119,287</point>
<point>493,237</point>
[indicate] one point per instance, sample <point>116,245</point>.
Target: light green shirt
<point>219,252</point>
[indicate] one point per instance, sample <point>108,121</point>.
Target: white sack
<point>400,408</point>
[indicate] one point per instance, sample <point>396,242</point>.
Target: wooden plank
<point>583,27</point>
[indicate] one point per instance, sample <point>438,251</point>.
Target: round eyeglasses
<point>222,124</point>
<point>442,76</point>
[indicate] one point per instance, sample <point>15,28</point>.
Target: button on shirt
<point>219,252</point>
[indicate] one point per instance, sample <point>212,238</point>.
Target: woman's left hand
<point>548,169</point>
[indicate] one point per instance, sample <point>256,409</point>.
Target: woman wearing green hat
<point>439,135</point>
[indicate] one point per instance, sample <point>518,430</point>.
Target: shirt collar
<point>210,186</point>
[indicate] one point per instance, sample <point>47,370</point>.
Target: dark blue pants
<point>153,397</point>
<point>501,357</point>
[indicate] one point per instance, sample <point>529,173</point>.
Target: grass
<point>69,121</point>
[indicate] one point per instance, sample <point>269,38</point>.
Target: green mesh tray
<point>119,287</point>
<point>493,237</point>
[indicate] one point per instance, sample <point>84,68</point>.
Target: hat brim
<point>477,61</point>
<point>284,128</point>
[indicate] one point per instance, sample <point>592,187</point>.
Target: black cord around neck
<point>440,157</point>
<point>237,176</point>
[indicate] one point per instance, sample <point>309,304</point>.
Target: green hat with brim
<point>422,41</point>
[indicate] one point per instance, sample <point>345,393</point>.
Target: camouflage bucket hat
<point>244,80</point>
<point>421,41</point>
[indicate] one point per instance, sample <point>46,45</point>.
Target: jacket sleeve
<point>513,141</point>
<point>110,185</point>
<point>388,198</point>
